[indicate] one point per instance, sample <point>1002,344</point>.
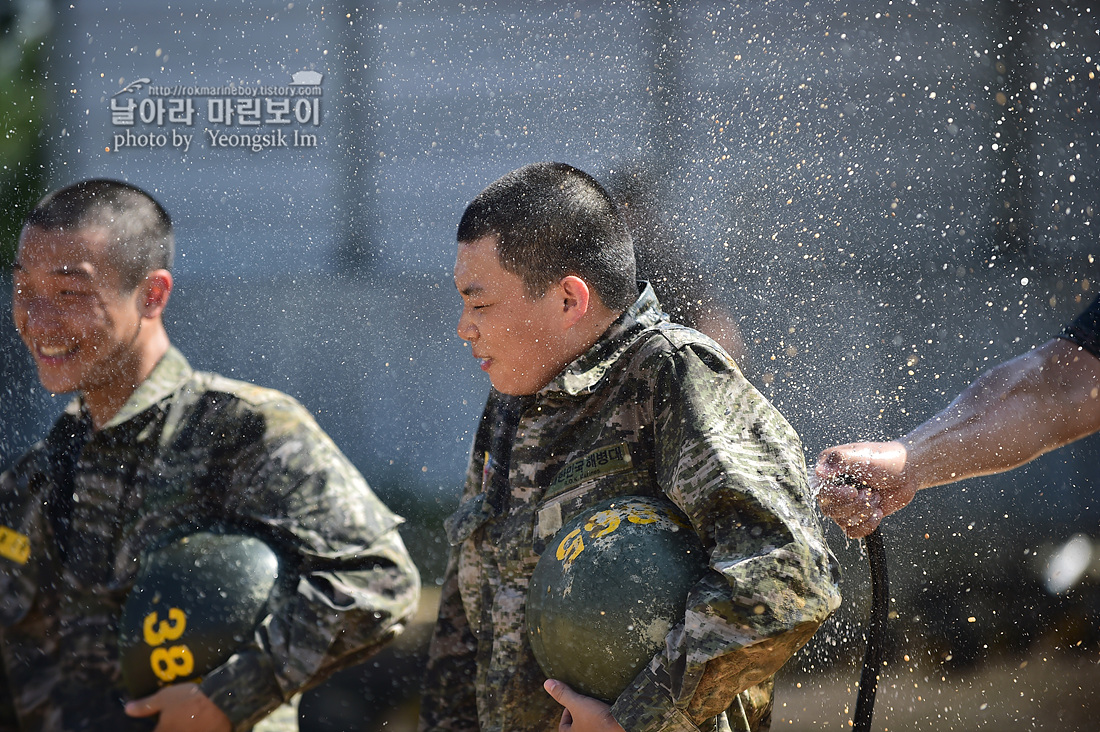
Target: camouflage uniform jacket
<point>665,411</point>
<point>189,450</point>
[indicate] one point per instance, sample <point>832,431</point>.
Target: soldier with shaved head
<point>150,449</point>
<point>597,395</point>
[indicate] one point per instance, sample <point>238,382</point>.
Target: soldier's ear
<point>153,293</point>
<point>575,298</point>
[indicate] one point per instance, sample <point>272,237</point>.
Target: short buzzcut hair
<point>139,227</point>
<point>551,220</point>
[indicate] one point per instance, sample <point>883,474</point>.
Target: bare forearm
<point>1023,408</point>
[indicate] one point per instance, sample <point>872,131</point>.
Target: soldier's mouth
<point>55,354</point>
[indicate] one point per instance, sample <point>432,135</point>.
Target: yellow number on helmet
<point>609,520</point>
<point>170,629</point>
<point>172,662</point>
<point>571,546</point>
<point>643,515</point>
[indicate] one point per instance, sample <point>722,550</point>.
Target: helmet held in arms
<point>607,590</point>
<point>193,604</point>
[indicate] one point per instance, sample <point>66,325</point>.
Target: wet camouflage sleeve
<point>448,702</point>
<point>735,467</point>
<point>335,619</point>
<point>350,597</point>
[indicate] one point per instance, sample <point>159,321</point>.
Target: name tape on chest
<point>602,461</point>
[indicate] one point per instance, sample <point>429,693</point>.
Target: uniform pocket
<point>469,517</point>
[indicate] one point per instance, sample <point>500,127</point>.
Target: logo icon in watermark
<point>307,78</point>
<point>134,85</point>
<point>253,118</point>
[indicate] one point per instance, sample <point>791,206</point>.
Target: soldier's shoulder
<point>272,404</point>
<point>250,394</point>
<point>30,462</point>
<point>668,340</point>
<point>681,336</point>
<point>37,457</point>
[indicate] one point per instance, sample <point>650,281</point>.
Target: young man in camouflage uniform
<point>581,362</point>
<point>151,449</point>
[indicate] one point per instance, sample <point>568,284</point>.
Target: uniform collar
<point>167,376</point>
<point>584,373</point>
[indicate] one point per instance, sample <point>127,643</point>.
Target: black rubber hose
<point>875,651</point>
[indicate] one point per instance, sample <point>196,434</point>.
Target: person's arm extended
<point>1028,406</point>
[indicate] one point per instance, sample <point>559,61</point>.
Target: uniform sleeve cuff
<point>646,706</point>
<point>244,688</point>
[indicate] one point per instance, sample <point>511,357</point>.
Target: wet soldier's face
<point>518,339</point>
<point>71,311</point>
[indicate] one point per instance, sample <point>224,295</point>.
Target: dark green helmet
<point>193,604</point>
<point>607,590</point>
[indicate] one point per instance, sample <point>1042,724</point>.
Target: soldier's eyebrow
<point>62,270</point>
<point>67,271</point>
<point>472,290</point>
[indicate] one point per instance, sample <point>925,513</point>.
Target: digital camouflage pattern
<point>652,408</point>
<point>188,451</point>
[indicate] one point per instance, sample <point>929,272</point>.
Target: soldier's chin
<point>514,382</point>
<point>512,387</point>
<point>55,383</point>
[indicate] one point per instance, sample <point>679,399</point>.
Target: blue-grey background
<point>888,197</point>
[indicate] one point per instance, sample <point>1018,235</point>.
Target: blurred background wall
<point>876,200</point>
